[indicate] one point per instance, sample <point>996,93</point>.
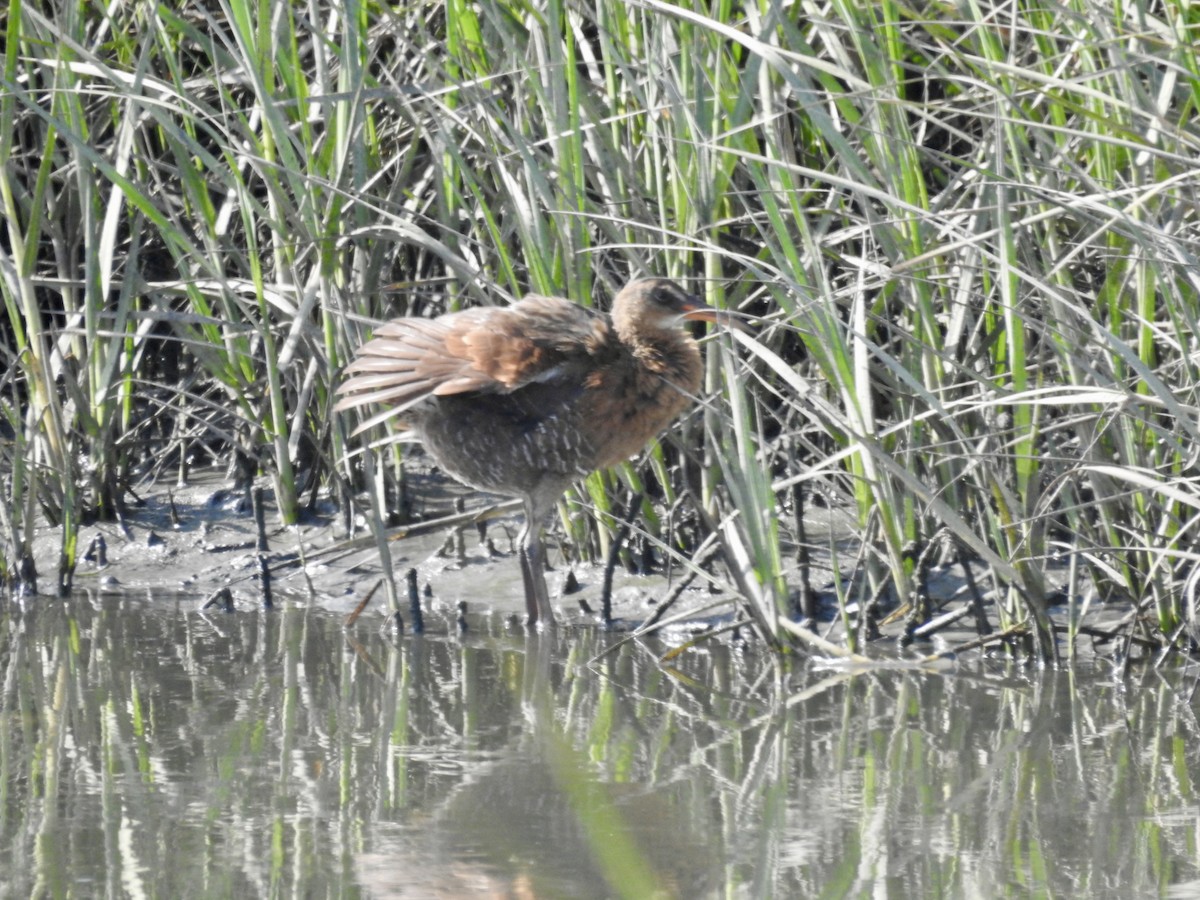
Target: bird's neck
<point>650,343</point>
<point>671,355</point>
<point>661,351</point>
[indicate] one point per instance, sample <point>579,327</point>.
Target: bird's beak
<point>695,311</point>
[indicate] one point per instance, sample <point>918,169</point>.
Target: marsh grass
<point>969,236</point>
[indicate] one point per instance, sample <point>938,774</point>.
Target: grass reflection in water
<point>145,748</point>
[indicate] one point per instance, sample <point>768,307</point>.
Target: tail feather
<point>400,393</point>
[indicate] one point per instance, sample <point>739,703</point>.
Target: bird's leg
<point>533,604</point>
<point>533,569</point>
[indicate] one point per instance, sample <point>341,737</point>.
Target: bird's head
<point>659,304</point>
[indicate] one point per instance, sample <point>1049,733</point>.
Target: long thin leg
<point>533,570</point>
<point>532,606</point>
<point>535,558</point>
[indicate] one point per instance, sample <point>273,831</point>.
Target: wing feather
<point>485,349</point>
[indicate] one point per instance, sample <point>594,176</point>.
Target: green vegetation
<point>969,234</point>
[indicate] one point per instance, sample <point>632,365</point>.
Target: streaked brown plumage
<point>524,399</point>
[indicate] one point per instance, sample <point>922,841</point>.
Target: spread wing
<point>483,350</point>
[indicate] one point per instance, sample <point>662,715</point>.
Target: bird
<point>522,400</point>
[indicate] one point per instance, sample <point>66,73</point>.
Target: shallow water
<point>147,749</point>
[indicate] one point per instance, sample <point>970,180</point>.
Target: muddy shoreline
<point>192,541</point>
<point>201,537</point>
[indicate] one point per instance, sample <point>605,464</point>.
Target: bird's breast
<point>632,404</point>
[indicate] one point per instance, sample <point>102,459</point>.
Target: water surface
<point>149,749</point>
